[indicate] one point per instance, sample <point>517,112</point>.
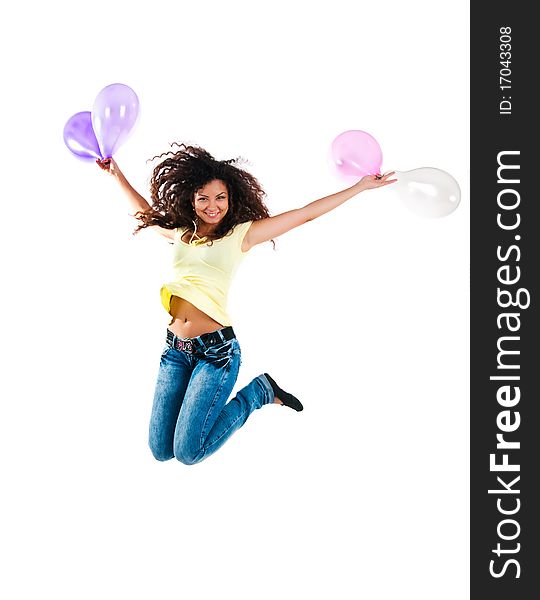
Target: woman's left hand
<point>369,182</point>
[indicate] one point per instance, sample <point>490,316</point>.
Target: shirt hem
<point>167,293</point>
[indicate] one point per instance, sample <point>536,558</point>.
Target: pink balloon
<point>356,153</point>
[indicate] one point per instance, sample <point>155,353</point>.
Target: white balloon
<point>427,191</point>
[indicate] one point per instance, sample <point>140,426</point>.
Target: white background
<point>362,313</point>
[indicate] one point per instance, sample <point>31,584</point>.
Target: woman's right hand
<point>109,165</point>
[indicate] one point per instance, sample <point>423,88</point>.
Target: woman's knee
<point>186,455</point>
<point>160,453</point>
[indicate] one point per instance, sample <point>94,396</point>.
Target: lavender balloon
<point>114,114</point>
<point>80,138</point>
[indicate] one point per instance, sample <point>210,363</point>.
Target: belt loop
<point>196,343</point>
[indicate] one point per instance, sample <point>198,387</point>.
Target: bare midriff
<point>188,321</point>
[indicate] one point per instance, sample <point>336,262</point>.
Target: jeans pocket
<point>218,354</point>
<point>221,349</point>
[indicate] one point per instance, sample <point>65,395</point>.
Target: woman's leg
<point>175,370</point>
<point>207,420</point>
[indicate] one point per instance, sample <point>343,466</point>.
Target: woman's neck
<point>205,230</point>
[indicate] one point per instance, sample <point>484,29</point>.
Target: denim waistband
<point>201,342</point>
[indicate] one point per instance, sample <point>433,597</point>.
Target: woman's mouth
<point>212,214</point>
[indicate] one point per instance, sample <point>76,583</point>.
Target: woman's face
<point>211,202</point>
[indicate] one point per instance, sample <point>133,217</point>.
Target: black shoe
<point>285,397</point>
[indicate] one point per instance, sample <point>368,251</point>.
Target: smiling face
<point>211,202</point>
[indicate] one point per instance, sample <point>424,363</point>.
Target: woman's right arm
<point>136,201</point>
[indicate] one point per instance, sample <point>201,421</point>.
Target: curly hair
<point>176,179</point>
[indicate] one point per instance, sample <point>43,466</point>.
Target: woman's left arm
<point>272,227</point>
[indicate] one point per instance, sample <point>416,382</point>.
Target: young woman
<point>213,212</point>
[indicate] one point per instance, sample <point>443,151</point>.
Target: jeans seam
<point>224,370</point>
<point>204,449</point>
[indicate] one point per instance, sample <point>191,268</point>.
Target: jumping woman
<point>213,212</point>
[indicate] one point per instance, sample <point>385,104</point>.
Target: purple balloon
<point>79,136</point>
<point>114,114</point>
<point>356,153</point>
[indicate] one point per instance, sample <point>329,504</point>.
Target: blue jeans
<point>191,417</point>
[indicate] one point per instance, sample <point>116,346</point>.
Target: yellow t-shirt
<point>202,272</point>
